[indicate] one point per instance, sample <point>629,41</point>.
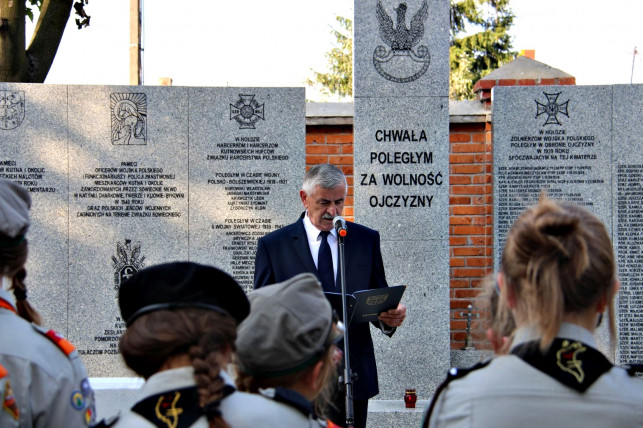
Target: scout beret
<point>289,327</point>
<point>15,202</point>
<point>180,285</point>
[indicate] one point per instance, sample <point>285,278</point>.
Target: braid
<point>25,310</point>
<point>208,380</point>
<point>202,334</point>
<point>12,264</point>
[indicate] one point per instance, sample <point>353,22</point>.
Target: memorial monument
<point>401,126</point>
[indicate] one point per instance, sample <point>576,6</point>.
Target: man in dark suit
<point>299,247</point>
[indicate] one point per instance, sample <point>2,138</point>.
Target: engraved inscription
<point>630,260</point>
<point>408,148</point>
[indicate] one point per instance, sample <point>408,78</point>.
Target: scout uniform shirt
<point>571,385</point>
<point>48,380</point>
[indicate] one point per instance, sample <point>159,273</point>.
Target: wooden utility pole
<point>135,49</point>
<point>633,60</point>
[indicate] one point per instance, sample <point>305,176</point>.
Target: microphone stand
<point>347,379</point>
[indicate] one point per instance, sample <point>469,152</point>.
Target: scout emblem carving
<point>552,109</point>
<point>567,359</point>
<point>12,109</point>
<point>401,62</point>
<point>128,262</point>
<point>246,111</point>
<point>129,118</point>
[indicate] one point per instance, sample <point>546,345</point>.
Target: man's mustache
<point>327,217</point>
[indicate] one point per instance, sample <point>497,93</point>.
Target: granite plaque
<point>247,154</point>
<point>580,144</point>
<point>127,177</point>
<point>401,177</point>
<point>33,131</point>
<point>128,204</point>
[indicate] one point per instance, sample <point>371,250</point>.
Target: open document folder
<point>366,305</point>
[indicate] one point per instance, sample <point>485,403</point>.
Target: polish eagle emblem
<point>403,52</point>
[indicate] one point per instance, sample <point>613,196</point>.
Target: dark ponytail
<point>12,264</point>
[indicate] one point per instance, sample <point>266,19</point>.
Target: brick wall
<point>470,221</point>
<point>333,144</point>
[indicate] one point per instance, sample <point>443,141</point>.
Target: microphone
<point>340,226</point>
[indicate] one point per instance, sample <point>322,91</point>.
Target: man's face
<point>323,205</point>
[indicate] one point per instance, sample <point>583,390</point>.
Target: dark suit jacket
<point>285,253</point>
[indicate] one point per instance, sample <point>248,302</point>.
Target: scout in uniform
<point>558,277</point>
<point>286,351</point>
<point>48,380</point>
<point>181,322</point>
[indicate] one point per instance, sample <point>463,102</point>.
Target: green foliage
<point>339,80</point>
<point>480,42</point>
<point>29,11</point>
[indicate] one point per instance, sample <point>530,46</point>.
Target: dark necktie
<point>325,264</point>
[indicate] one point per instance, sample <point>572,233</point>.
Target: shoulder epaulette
<point>453,374</point>
<point>634,370</point>
<point>62,343</point>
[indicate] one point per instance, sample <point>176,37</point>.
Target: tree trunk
<point>33,64</point>
<point>13,62</point>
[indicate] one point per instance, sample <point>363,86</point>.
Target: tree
<point>339,81</point>
<point>19,63</point>
<point>473,55</point>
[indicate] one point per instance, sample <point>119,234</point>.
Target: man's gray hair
<point>324,175</point>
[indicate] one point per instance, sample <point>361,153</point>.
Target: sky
<point>280,42</point>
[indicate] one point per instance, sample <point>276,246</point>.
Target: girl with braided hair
<point>181,322</point>
<point>49,385</point>
<point>557,278</point>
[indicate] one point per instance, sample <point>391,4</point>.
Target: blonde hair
<point>501,320</point>
<point>558,260</point>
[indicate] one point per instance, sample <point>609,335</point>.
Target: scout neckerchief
<point>569,361</point>
<point>174,409</point>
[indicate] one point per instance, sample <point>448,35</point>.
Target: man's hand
<point>394,317</point>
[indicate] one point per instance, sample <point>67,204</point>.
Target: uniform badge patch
<point>9,402</point>
<point>77,400</point>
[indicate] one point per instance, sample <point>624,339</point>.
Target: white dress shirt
<point>314,241</point>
